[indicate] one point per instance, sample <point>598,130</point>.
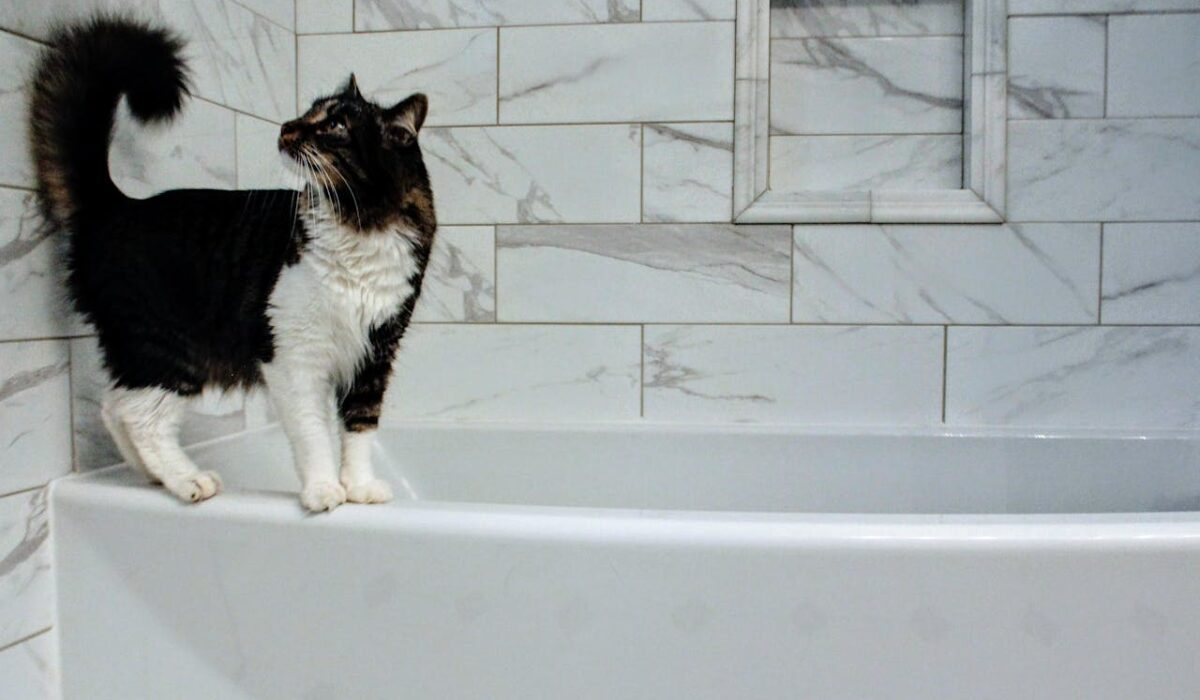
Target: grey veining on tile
<point>687,172</point>
<point>821,375</point>
<point>672,10</point>
<point>460,281</point>
<point>432,14</point>
<point>29,670</point>
<point>456,68</point>
<point>210,416</point>
<point>281,12</point>
<point>906,162</point>
<point>1080,7</point>
<point>1057,67</point>
<point>197,149</point>
<point>680,71</point>
<point>1104,170</point>
<point>509,371</point>
<point>1093,377</point>
<point>1031,273</point>
<point>866,86</point>
<point>1154,65</point>
<point>1151,273</point>
<point>16,60</point>
<point>31,272</point>
<point>824,18</point>
<point>643,273</point>
<point>26,588</point>
<point>35,413</point>
<point>529,174</point>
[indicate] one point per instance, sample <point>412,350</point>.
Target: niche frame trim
<point>985,114</point>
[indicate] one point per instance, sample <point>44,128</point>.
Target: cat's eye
<point>336,126</point>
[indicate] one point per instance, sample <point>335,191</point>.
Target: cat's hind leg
<point>148,420</point>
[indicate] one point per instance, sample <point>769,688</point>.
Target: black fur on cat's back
<point>177,285</point>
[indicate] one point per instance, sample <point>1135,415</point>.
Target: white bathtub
<point>648,563</point>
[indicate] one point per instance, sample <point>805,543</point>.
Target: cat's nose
<point>289,134</point>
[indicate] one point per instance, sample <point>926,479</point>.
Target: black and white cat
<point>308,292</point>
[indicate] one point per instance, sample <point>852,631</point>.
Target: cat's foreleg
<point>145,425</point>
<point>359,411</point>
<point>305,404</point>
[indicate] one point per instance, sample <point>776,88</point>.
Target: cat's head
<point>362,158</point>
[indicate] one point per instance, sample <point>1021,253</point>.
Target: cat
<point>306,292</point>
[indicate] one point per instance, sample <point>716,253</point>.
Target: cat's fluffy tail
<point>75,88</point>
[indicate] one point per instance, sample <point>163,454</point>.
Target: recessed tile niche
<point>870,110</point>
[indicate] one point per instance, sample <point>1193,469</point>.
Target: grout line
<point>30,489</point>
<point>22,35</point>
<point>642,173</point>
<point>497,119</point>
<point>236,110</point>
<point>945,366</point>
<point>1100,285</point>
<point>792,274</point>
<point>265,18</point>
<point>26,638</point>
<point>495,274</point>
<point>528,25</point>
<point>18,188</point>
<point>1107,29</point>
<point>354,16</point>
<point>642,376</point>
<point>237,165</point>
<point>71,407</point>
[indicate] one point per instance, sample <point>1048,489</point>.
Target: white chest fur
<point>323,308</point>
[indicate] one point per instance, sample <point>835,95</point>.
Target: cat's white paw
<point>200,486</point>
<point>373,491</point>
<point>322,495</point>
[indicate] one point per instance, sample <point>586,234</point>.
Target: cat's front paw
<point>373,491</point>
<point>322,495</point>
<point>194,488</point>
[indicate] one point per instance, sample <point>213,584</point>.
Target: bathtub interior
<point>742,469</point>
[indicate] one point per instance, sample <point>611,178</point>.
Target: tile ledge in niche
<point>884,206</point>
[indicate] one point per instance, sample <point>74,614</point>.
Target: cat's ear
<point>403,120</point>
<point>350,89</point>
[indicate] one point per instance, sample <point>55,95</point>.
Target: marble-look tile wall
<point>866,95</point>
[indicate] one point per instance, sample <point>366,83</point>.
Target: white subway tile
<point>823,18</point>
<point>866,86</point>
<point>432,14</point>
<point>1093,377</point>
<point>674,273</point>
<point>1056,67</point>
<point>197,149</point>
<point>687,172</point>
<point>516,373</point>
<point>1104,170</point>
<point>456,68</point>
<point>1031,273</point>
<point>529,174</point>
<point>16,61</point>
<point>1151,273</point>
<point>605,73</point>
<point>460,282</point>
<point>26,585</point>
<point>259,163</point>
<point>862,163</point>
<point>324,16</point>
<point>35,413</point>
<point>31,272</point>
<point>670,10</point>
<point>778,374</point>
<point>1154,65</point>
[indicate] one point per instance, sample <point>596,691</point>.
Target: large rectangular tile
<point>324,16</point>
<point>866,86</point>
<point>1079,7</point>
<point>460,282</point>
<point>529,174</point>
<point>31,272</point>
<point>1056,67</point>
<point>674,273</point>
<point>259,163</point>
<point>672,10</point>
<point>197,149</point>
<point>1151,273</point>
<point>35,413</point>
<point>517,373</point>
<point>778,374</point>
<point>820,18</point>
<point>1132,377</point>
<point>605,73</point>
<point>210,416</point>
<point>26,585</point>
<point>16,60</point>
<point>456,68</point>
<point>1104,170</point>
<point>1154,65</point>
<point>1032,273</point>
<point>29,670</point>
<point>687,172</point>
<point>822,163</point>
<point>433,14</point>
